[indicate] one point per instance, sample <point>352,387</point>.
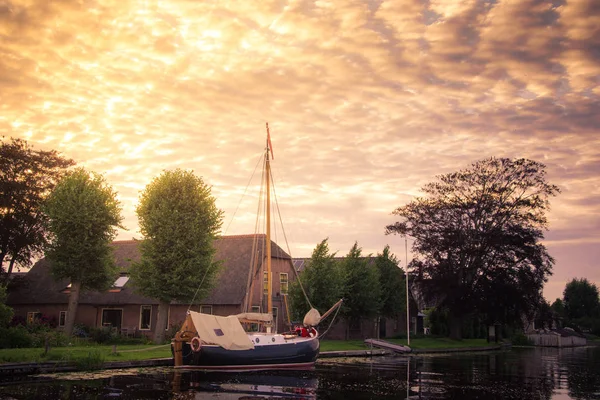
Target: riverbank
<point>68,359</point>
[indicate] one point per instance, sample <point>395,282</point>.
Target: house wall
<point>367,328</point>
<point>259,299</point>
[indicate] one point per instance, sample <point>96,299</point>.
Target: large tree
<point>84,215</point>
<point>392,283</point>
<point>362,291</point>
<point>27,176</point>
<point>477,234</point>
<point>581,300</point>
<point>322,280</point>
<point>179,220</point>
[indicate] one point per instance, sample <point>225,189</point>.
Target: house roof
<point>39,287</point>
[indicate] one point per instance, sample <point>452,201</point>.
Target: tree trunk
<point>455,325</point>
<point>72,308</point>
<point>161,322</point>
<point>10,268</point>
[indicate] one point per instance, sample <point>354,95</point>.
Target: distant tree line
<point>579,308</point>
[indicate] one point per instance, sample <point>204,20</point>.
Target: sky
<point>367,101</point>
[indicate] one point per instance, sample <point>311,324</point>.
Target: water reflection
<point>553,374</point>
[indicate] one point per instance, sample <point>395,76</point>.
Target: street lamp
<point>406,278</point>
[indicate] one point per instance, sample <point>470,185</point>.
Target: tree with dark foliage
<point>362,291</point>
<point>27,176</point>
<point>477,235</point>
<point>582,305</point>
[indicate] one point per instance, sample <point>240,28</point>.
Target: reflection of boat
<point>213,342</point>
<point>249,386</point>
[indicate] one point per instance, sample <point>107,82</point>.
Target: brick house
<point>121,308</point>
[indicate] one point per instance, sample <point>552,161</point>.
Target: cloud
<point>367,102</point>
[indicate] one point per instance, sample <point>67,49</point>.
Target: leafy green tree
<point>392,283</point>
<point>582,304</point>
<point>179,220</point>
<point>322,280</point>
<point>84,215</point>
<point>362,291</point>
<point>27,176</point>
<point>6,313</point>
<point>478,235</point>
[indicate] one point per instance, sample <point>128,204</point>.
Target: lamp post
<point>406,278</point>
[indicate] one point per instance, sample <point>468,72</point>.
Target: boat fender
<point>195,344</point>
<point>312,332</point>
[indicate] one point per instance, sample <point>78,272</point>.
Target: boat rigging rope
<point>224,233</point>
<point>288,245</point>
<point>331,323</point>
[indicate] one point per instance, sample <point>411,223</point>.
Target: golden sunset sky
<point>367,101</point>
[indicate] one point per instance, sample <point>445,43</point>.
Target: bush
<point>102,335</point>
<point>519,339</point>
<point>15,337</point>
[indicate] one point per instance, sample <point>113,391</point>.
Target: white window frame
<point>275,311</point>
<point>287,283</point>
<point>60,318</point>
<point>142,307</point>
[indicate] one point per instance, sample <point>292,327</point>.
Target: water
<point>556,374</point>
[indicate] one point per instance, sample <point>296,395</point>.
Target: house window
<point>254,327</point>
<point>145,317</point>
<point>274,311</point>
<point>206,309</point>
<point>112,318</point>
<point>119,284</point>
<point>265,282</point>
<point>62,318</point>
<point>33,316</point>
<point>283,283</point>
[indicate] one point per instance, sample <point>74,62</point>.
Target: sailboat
<point>221,343</point>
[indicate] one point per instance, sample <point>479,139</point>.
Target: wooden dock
<point>382,344</point>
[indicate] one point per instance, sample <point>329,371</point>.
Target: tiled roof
<point>38,286</point>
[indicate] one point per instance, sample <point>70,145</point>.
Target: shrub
<point>519,339</point>
<point>15,337</point>
<point>102,335</point>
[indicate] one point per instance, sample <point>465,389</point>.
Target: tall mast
<point>268,239</point>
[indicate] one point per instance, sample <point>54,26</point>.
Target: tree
<point>322,280</point>
<point>581,300</point>
<point>179,220</point>
<point>6,313</point>
<point>558,308</point>
<point>27,176</point>
<point>392,283</point>
<point>84,215</point>
<point>477,233</point>
<point>362,291</point>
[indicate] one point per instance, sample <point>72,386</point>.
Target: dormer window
<point>116,287</point>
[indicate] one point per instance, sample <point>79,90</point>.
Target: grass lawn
<point>100,353</point>
<point>441,343</point>
<point>77,353</point>
<point>341,345</point>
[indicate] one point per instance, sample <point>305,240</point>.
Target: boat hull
<point>294,354</point>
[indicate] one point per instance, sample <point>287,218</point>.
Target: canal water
<point>520,373</point>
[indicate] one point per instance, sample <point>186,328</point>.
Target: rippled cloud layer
<point>367,102</point>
